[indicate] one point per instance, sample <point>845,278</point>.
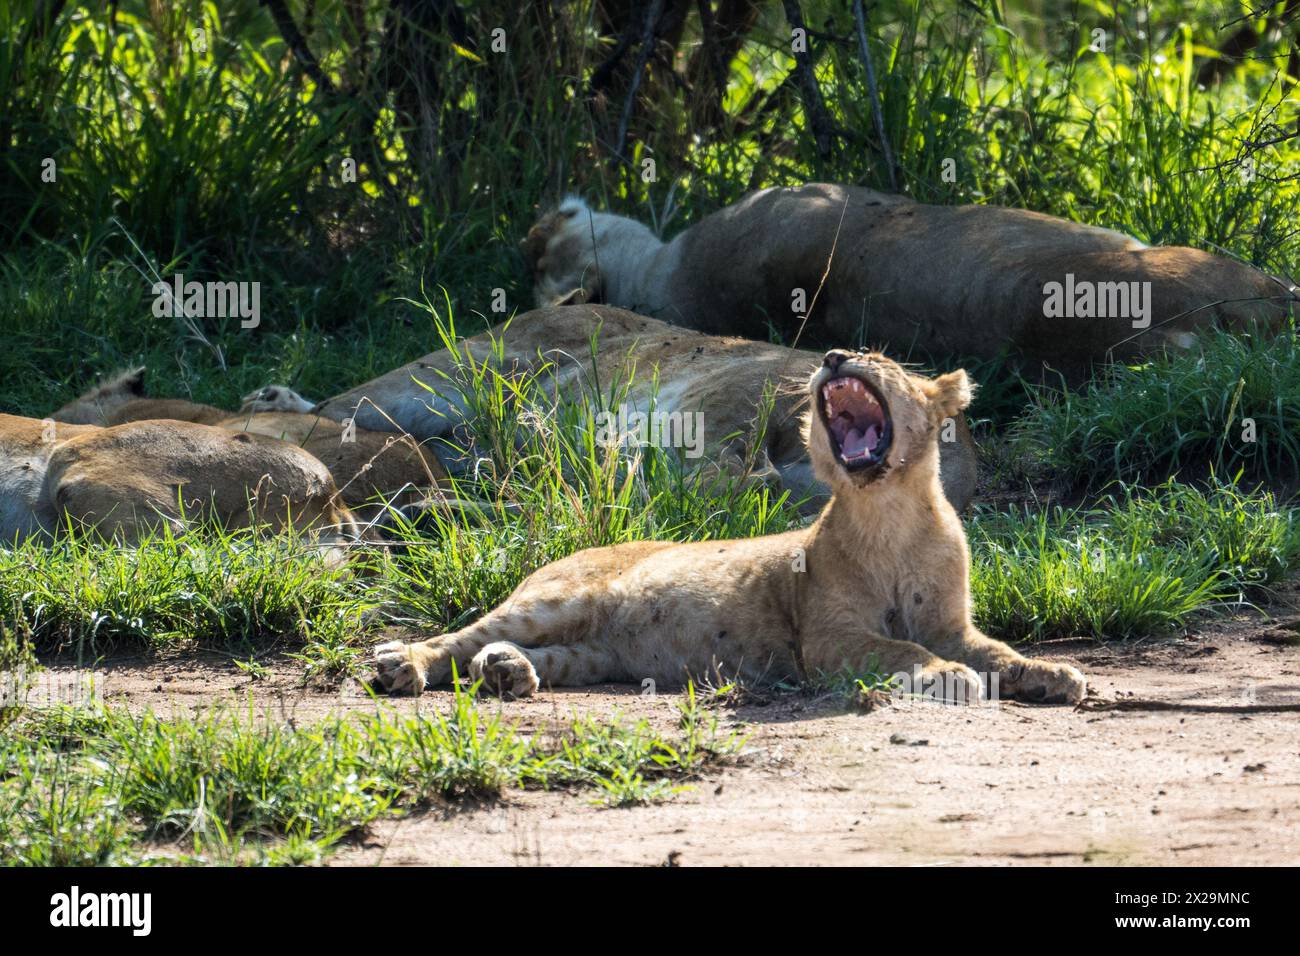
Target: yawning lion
<point>879,583</point>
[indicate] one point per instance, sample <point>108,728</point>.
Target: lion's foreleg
<point>1018,676</point>
<point>903,659</point>
<point>513,671</point>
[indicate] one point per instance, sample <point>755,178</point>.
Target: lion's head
<point>95,406</point>
<point>574,253</point>
<point>871,419</point>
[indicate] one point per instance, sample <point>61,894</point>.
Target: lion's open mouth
<point>857,422</point>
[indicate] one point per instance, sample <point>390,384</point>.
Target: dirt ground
<point>909,783</point>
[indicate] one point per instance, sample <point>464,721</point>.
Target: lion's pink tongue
<point>856,443</point>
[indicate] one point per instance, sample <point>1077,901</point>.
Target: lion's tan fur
<point>366,467</point>
<point>949,280</point>
<point>122,398</point>
<point>723,378</point>
<point>878,583</point>
<point>126,480</point>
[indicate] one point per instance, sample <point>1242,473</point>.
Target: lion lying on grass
<point>367,466</point>
<point>122,398</point>
<point>948,280</point>
<point>879,583</point>
<point>721,380</point>
<point>129,480</point>
<point>715,382</point>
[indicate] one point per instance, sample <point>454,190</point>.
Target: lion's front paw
<point>952,682</point>
<point>504,669</point>
<point>401,668</point>
<point>1044,682</point>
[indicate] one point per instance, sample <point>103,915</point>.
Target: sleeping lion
<point>130,480</point>
<point>948,280</point>
<point>879,583</point>
<point>369,467</point>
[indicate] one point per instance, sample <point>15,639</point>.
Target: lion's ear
<point>951,393</point>
<point>572,206</point>
<point>533,246</point>
<point>123,384</point>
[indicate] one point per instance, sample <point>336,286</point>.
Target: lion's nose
<point>835,358</point>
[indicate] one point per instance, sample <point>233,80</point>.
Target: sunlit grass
<point>86,787</point>
<point>1141,562</point>
<point>220,163</point>
<point>227,590</point>
<point>1232,403</point>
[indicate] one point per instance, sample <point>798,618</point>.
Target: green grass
<point>77,315</point>
<point>1233,404</point>
<point>549,488</point>
<point>87,787</point>
<point>223,163</point>
<point>1143,561</point>
<point>230,591</point>
<point>18,667</point>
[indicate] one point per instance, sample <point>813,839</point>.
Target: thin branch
<point>1265,132</point>
<point>1132,703</point>
<point>1261,13</point>
<point>873,91</point>
<point>819,119</point>
<point>600,77</point>
<point>298,45</point>
<point>711,59</point>
<point>647,47</point>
